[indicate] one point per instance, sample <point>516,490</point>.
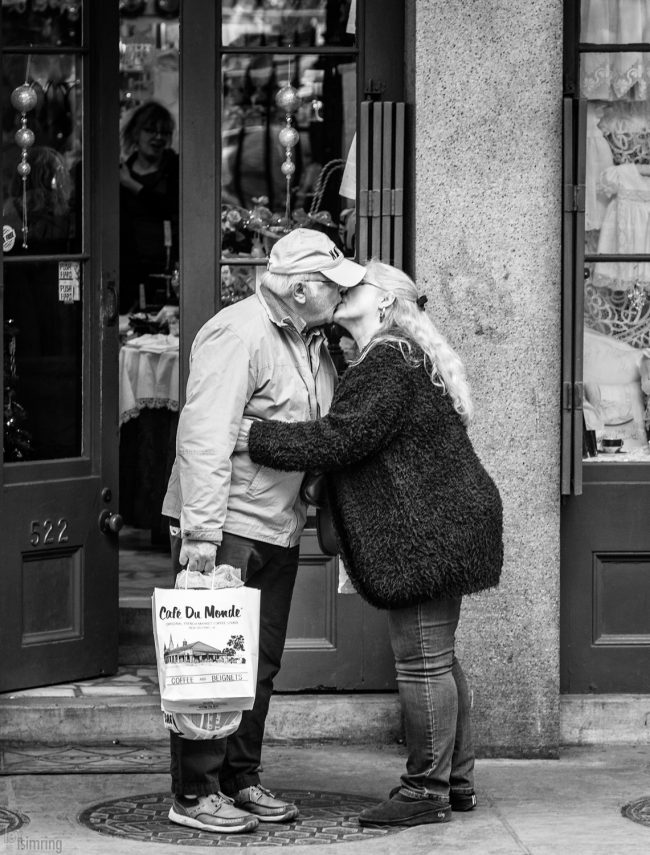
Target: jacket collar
<point>281,315</point>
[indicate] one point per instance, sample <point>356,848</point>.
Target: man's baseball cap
<point>311,251</point>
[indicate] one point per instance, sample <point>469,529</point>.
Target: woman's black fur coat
<point>416,514</point>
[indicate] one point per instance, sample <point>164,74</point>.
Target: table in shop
<point>149,396</point>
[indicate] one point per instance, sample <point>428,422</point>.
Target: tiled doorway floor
<point>142,566</point>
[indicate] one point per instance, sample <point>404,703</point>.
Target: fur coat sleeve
<point>416,514</point>
<point>367,412</point>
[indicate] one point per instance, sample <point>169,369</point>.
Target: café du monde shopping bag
<point>207,645</point>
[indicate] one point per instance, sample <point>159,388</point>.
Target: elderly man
<point>263,358</point>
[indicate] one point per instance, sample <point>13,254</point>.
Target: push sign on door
<point>69,286</point>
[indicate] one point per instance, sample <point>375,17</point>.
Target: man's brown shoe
<point>262,804</point>
<point>211,813</point>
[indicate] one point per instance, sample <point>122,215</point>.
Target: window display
<point>617,231</point>
<point>288,124</point>
<point>288,129</point>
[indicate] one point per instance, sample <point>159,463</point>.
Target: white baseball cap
<point>311,251</point>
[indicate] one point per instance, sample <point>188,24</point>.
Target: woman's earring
<point>382,314</point>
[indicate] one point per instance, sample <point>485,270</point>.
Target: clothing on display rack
<point>625,227</point>
<point>599,157</point>
<point>617,190</point>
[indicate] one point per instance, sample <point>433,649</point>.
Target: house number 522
<point>48,531</point>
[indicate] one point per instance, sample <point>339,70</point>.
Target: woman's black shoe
<point>402,810</point>
<point>462,801</point>
<point>458,801</point>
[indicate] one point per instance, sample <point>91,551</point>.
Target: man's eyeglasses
<point>323,280</point>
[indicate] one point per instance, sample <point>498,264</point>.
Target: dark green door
<point>59,603</point>
<point>271,146</point>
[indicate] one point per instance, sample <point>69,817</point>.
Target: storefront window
<point>41,22</point>
<point>287,23</point>
<point>42,142</point>
<point>288,131</point>
<point>616,85</point>
<point>42,230</point>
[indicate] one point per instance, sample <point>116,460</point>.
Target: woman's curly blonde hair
<point>406,323</point>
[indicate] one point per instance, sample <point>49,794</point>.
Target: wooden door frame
<point>104,245</point>
<point>199,144</point>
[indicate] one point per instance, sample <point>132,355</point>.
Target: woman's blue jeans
<point>434,698</point>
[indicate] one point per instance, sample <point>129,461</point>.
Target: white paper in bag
<point>207,647</point>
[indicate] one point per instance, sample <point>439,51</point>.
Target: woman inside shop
<point>149,197</point>
<point>418,520</point>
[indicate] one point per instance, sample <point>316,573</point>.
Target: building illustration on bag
<point>199,652</point>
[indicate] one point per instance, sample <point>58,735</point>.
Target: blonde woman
<point>418,519</point>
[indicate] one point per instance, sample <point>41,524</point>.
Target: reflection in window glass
<point>42,361</point>
<point>237,281</point>
<point>41,22</point>
<point>617,222</point>
<point>288,23</point>
<point>48,203</point>
<point>288,129</point>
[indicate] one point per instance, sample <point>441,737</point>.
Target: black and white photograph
<point>325,488</point>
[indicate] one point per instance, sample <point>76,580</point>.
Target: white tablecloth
<point>148,374</point>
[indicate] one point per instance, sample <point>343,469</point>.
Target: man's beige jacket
<point>249,361</point>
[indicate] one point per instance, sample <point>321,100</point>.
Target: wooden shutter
<point>380,162</point>
<point>573,230</point>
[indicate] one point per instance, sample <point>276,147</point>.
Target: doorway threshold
<point>610,719</point>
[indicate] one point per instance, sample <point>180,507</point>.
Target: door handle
<point>110,522</point>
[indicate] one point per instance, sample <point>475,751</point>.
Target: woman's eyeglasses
<point>156,132</point>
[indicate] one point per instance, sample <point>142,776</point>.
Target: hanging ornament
<point>289,101</point>
<point>23,99</point>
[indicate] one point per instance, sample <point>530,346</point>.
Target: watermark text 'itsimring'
<point>32,844</point>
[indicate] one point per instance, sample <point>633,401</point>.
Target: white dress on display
<point>625,228</point>
<point>599,157</point>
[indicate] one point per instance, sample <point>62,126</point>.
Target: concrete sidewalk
<point>570,806</point>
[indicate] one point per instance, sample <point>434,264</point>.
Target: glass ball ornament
<point>24,138</point>
<point>23,98</point>
<point>288,137</point>
<point>288,99</point>
<point>23,169</point>
<point>288,168</point>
